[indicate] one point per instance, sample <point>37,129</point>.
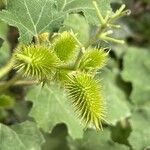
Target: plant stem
<point>111,39</point>
<point>8,83</point>
<point>18,83</point>
<point>36,38</point>
<point>4,70</point>
<point>102,20</point>
<point>90,42</point>
<point>66,67</point>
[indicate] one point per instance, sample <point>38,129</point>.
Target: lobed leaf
<point>31,17</point>
<point>136,70</point>
<point>97,141</point>
<point>24,136</point>
<point>116,102</point>
<point>50,107</point>
<point>85,6</point>
<point>35,17</point>
<point>140,135</point>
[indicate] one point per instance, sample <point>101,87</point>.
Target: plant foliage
<point>71,67</point>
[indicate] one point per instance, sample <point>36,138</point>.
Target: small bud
<point>121,8</point>
<point>121,12</point>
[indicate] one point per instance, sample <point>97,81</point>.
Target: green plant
<point>63,65</point>
<point>43,59</point>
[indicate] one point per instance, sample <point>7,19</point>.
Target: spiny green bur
<point>35,61</point>
<point>85,93</point>
<point>64,45</point>
<point>93,59</point>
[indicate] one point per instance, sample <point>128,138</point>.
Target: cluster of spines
<point>64,46</point>
<point>93,59</point>
<point>86,97</point>
<point>35,61</point>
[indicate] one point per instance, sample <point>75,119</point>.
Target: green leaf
<point>116,1</point>
<point>33,18</point>
<point>96,141</point>
<point>86,7</point>
<point>51,107</point>
<point>140,136</point>
<point>4,53</point>
<point>21,109</point>
<point>4,49</point>
<point>116,103</point>
<point>3,114</point>
<point>24,136</point>
<point>57,140</point>
<point>136,70</point>
<point>78,25</point>
<point>4,30</point>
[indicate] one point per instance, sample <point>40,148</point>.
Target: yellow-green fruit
<point>87,99</point>
<point>36,61</point>
<point>93,59</point>
<point>64,45</point>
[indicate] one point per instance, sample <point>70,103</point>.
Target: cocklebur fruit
<point>35,61</point>
<point>86,97</point>
<point>64,46</point>
<point>93,59</point>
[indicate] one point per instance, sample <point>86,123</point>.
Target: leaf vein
<point>41,12</point>
<point>28,12</point>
